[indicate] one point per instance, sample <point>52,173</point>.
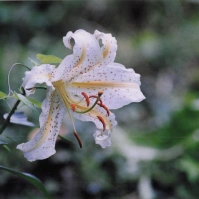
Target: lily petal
<point>120,86</point>
<point>104,140</point>
<point>86,55</point>
<point>38,74</point>
<point>109,47</point>
<point>42,145</point>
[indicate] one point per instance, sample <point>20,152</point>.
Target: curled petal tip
<point>103,140</point>
<point>66,40</point>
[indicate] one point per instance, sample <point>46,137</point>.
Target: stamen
<point>73,107</point>
<point>104,107</point>
<point>78,139</point>
<point>102,121</point>
<point>87,98</point>
<point>58,84</point>
<point>89,109</point>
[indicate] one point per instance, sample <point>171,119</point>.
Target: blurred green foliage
<point>154,153</point>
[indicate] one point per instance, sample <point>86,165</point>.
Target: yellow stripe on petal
<point>106,50</point>
<point>101,84</point>
<point>81,59</point>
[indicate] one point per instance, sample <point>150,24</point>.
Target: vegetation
<point>154,152</point>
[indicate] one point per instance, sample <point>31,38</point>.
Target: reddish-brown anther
<point>78,139</point>
<point>86,98</point>
<point>104,107</point>
<point>102,121</point>
<point>73,107</point>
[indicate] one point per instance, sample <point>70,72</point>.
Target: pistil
<point>89,109</point>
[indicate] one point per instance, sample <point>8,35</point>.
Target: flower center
<point>81,108</point>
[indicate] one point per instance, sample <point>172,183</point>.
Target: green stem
<point>7,120</point>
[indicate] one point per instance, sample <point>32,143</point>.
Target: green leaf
<point>9,138</point>
<point>6,147</point>
<point>33,62</point>
<point>64,139</point>
<point>3,95</point>
<point>35,102</point>
<point>190,167</point>
<point>25,101</point>
<point>48,59</point>
<point>30,178</point>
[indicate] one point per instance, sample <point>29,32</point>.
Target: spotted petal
<point>108,48</point>
<point>38,74</point>
<point>86,55</point>
<point>120,86</point>
<point>42,145</point>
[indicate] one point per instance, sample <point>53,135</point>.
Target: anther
<point>73,107</point>
<point>86,98</point>
<point>104,107</point>
<point>102,121</point>
<point>78,139</point>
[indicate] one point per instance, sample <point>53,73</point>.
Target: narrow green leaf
<point>3,95</point>
<point>9,138</point>
<point>33,62</point>
<point>25,101</point>
<point>64,139</point>
<point>6,147</point>
<point>48,59</point>
<point>30,178</point>
<point>35,102</point>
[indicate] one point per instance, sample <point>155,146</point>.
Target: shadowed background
<point>154,152</point>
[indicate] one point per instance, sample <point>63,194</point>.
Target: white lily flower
<point>86,84</point>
